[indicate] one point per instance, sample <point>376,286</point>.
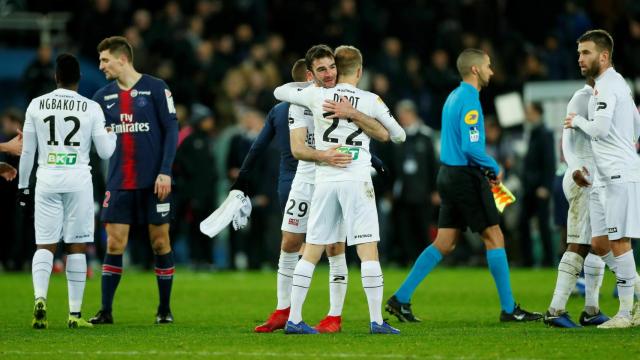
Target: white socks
<point>338,280</point>
<point>299,287</point>
<point>76,279</point>
<point>626,279</point>
<point>286,265</point>
<point>372,283</point>
<point>41,271</point>
<point>593,275</point>
<point>568,271</point>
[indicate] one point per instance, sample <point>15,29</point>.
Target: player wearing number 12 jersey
<point>141,112</point>
<point>61,125</point>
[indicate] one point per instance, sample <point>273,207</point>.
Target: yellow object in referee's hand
<point>502,196</point>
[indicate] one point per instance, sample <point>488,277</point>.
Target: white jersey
<point>63,124</point>
<point>301,117</point>
<point>330,132</point>
<point>576,144</point>
<point>614,154</point>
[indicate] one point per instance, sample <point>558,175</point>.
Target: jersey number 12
<point>52,130</point>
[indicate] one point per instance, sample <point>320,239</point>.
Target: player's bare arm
<point>13,146</point>
<point>7,171</point>
<point>301,151</point>
<point>343,109</point>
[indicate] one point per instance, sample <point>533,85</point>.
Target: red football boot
<point>277,320</point>
<point>330,324</point>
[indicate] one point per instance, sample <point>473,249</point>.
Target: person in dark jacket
<point>537,180</point>
<point>414,189</point>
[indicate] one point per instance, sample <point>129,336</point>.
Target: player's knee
<point>600,247</point>
<point>291,242</point>
<point>116,244</point>
<point>160,245</point>
<point>335,249</point>
<point>582,250</point>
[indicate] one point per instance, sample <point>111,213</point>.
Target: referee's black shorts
<point>467,200</point>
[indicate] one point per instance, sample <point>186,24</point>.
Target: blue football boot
<point>561,321</point>
<point>383,328</point>
<point>300,328</point>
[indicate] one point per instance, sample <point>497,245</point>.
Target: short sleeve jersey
<point>63,122</point>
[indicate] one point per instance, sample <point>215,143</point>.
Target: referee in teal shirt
<point>464,183</point>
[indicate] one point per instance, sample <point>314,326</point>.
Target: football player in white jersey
<point>61,126</point>
<point>343,195</point>
<point>612,131</point>
<point>576,147</point>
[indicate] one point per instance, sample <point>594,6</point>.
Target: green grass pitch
<point>215,314</point>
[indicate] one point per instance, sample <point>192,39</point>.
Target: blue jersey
<point>144,118</point>
<point>463,137</point>
<point>276,126</point>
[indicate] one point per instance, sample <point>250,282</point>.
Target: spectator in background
<point>196,179</point>
<point>38,78</point>
<point>247,247</point>
<point>537,181</point>
<point>414,167</point>
<point>440,80</point>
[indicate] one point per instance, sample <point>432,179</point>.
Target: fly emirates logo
<point>128,126</point>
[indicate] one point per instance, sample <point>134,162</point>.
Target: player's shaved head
<point>348,60</point>
<point>299,71</point>
<point>469,58</point>
<point>67,70</point>
<point>602,39</point>
<point>317,52</point>
<point>117,45</point>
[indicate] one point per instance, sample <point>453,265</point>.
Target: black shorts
<point>467,200</point>
<point>139,206</point>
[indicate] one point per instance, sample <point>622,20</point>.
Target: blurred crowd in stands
<point>222,59</point>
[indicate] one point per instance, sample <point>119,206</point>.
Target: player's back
<point>331,132</point>
<point>63,122</point>
<point>615,154</point>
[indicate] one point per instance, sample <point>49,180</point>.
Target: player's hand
<point>580,177</point>
<point>341,109</point>
<point>336,158</point>
<point>568,121</point>
<point>14,146</point>
<point>493,179</point>
<point>163,186</point>
<point>7,171</point>
<point>24,198</point>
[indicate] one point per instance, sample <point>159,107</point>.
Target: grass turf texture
<point>215,314</point>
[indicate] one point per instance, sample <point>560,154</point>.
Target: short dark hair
<point>317,52</point>
<point>299,71</point>
<point>601,38</point>
<point>67,70</point>
<point>348,59</point>
<point>469,58</point>
<point>537,107</point>
<point>117,45</point>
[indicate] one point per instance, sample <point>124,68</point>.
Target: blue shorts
<point>139,206</point>
<point>284,187</point>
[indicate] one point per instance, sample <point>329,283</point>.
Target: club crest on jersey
<point>141,101</point>
<point>471,118</point>
<point>134,93</point>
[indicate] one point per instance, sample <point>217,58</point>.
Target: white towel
<point>236,207</point>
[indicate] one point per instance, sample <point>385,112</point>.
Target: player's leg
<point>78,230</point>
<point>164,269</point>
<point>620,207</point>
<point>48,227</point>
<point>302,275</point>
<point>117,215</point>
<point>289,254</point>
<point>571,264</point>
<point>338,281</point>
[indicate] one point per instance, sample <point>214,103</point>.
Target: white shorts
<point>578,224</point>
<point>64,215</point>
<point>622,210</point>
<point>296,212</point>
<point>351,203</point>
<point>596,212</point>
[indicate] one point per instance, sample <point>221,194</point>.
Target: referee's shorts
<point>467,200</point>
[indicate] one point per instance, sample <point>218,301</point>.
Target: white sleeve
<point>298,117</point>
<point>598,128</point>
<point>636,124</point>
<point>105,142</point>
<point>29,147</point>
<point>382,113</point>
<point>568,149</point>
<point>294,93</point>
